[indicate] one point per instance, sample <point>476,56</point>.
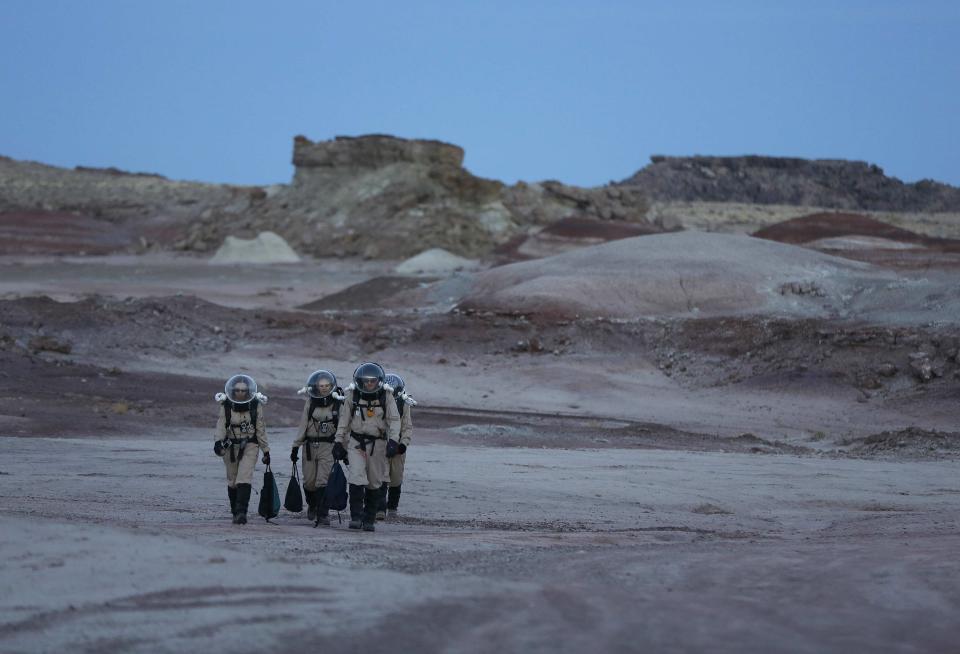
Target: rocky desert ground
<point>711,407</point>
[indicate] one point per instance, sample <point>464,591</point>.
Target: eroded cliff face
<point>829,183</point>
<point>376,196</point>
<point>379,196</point>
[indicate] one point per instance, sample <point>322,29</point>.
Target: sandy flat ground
<point>127,546</point>
<point>259,286</point>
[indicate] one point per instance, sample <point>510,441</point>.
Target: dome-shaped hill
<point>832,225</point>
<point>818,228</point>
<point>684,273</point>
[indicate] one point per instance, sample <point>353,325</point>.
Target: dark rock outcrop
<point>829,183</point>
<point>373,151</point>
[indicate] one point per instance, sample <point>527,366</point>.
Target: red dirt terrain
<point>568,234</point>
<point>877,244</point>
<point>57,232</point>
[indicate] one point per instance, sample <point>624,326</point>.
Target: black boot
<point>382,503</point>
<point>356,506</point>
<point>232,493</point>
<point>371,504</point>
<point>243,500</point>
<point>393,499</point>
<point>323,512</point>
<point>311,503</point>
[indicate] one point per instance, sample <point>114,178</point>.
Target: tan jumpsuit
<point>316,434</point>
<point>397,462</point>
<point>245,443</point>
<point>363,431</point>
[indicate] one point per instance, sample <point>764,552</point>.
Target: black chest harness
<point>323,426</point>
<point>364,412</point>
<point>247,430</point>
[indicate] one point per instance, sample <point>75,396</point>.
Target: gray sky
<point>583,92</point>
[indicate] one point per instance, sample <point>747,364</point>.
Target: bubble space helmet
<point>240,389</point>
<point>321,384</point>
<point>396,381</point>
<point>368,378</point>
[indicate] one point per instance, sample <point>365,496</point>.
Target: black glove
<point>266,458</point>
<point>295,454</point>
<point>218,448</point>
<point>402,449</point>
<point>339,452</point>
<point>392,448</point>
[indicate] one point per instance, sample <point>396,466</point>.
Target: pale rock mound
<point>678,274</point>
<point>435,261</point>
<point>267,247</point>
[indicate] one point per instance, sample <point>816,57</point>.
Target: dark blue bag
<point>336,495</point>
<point>269,506</point>
<point>293,500</point>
